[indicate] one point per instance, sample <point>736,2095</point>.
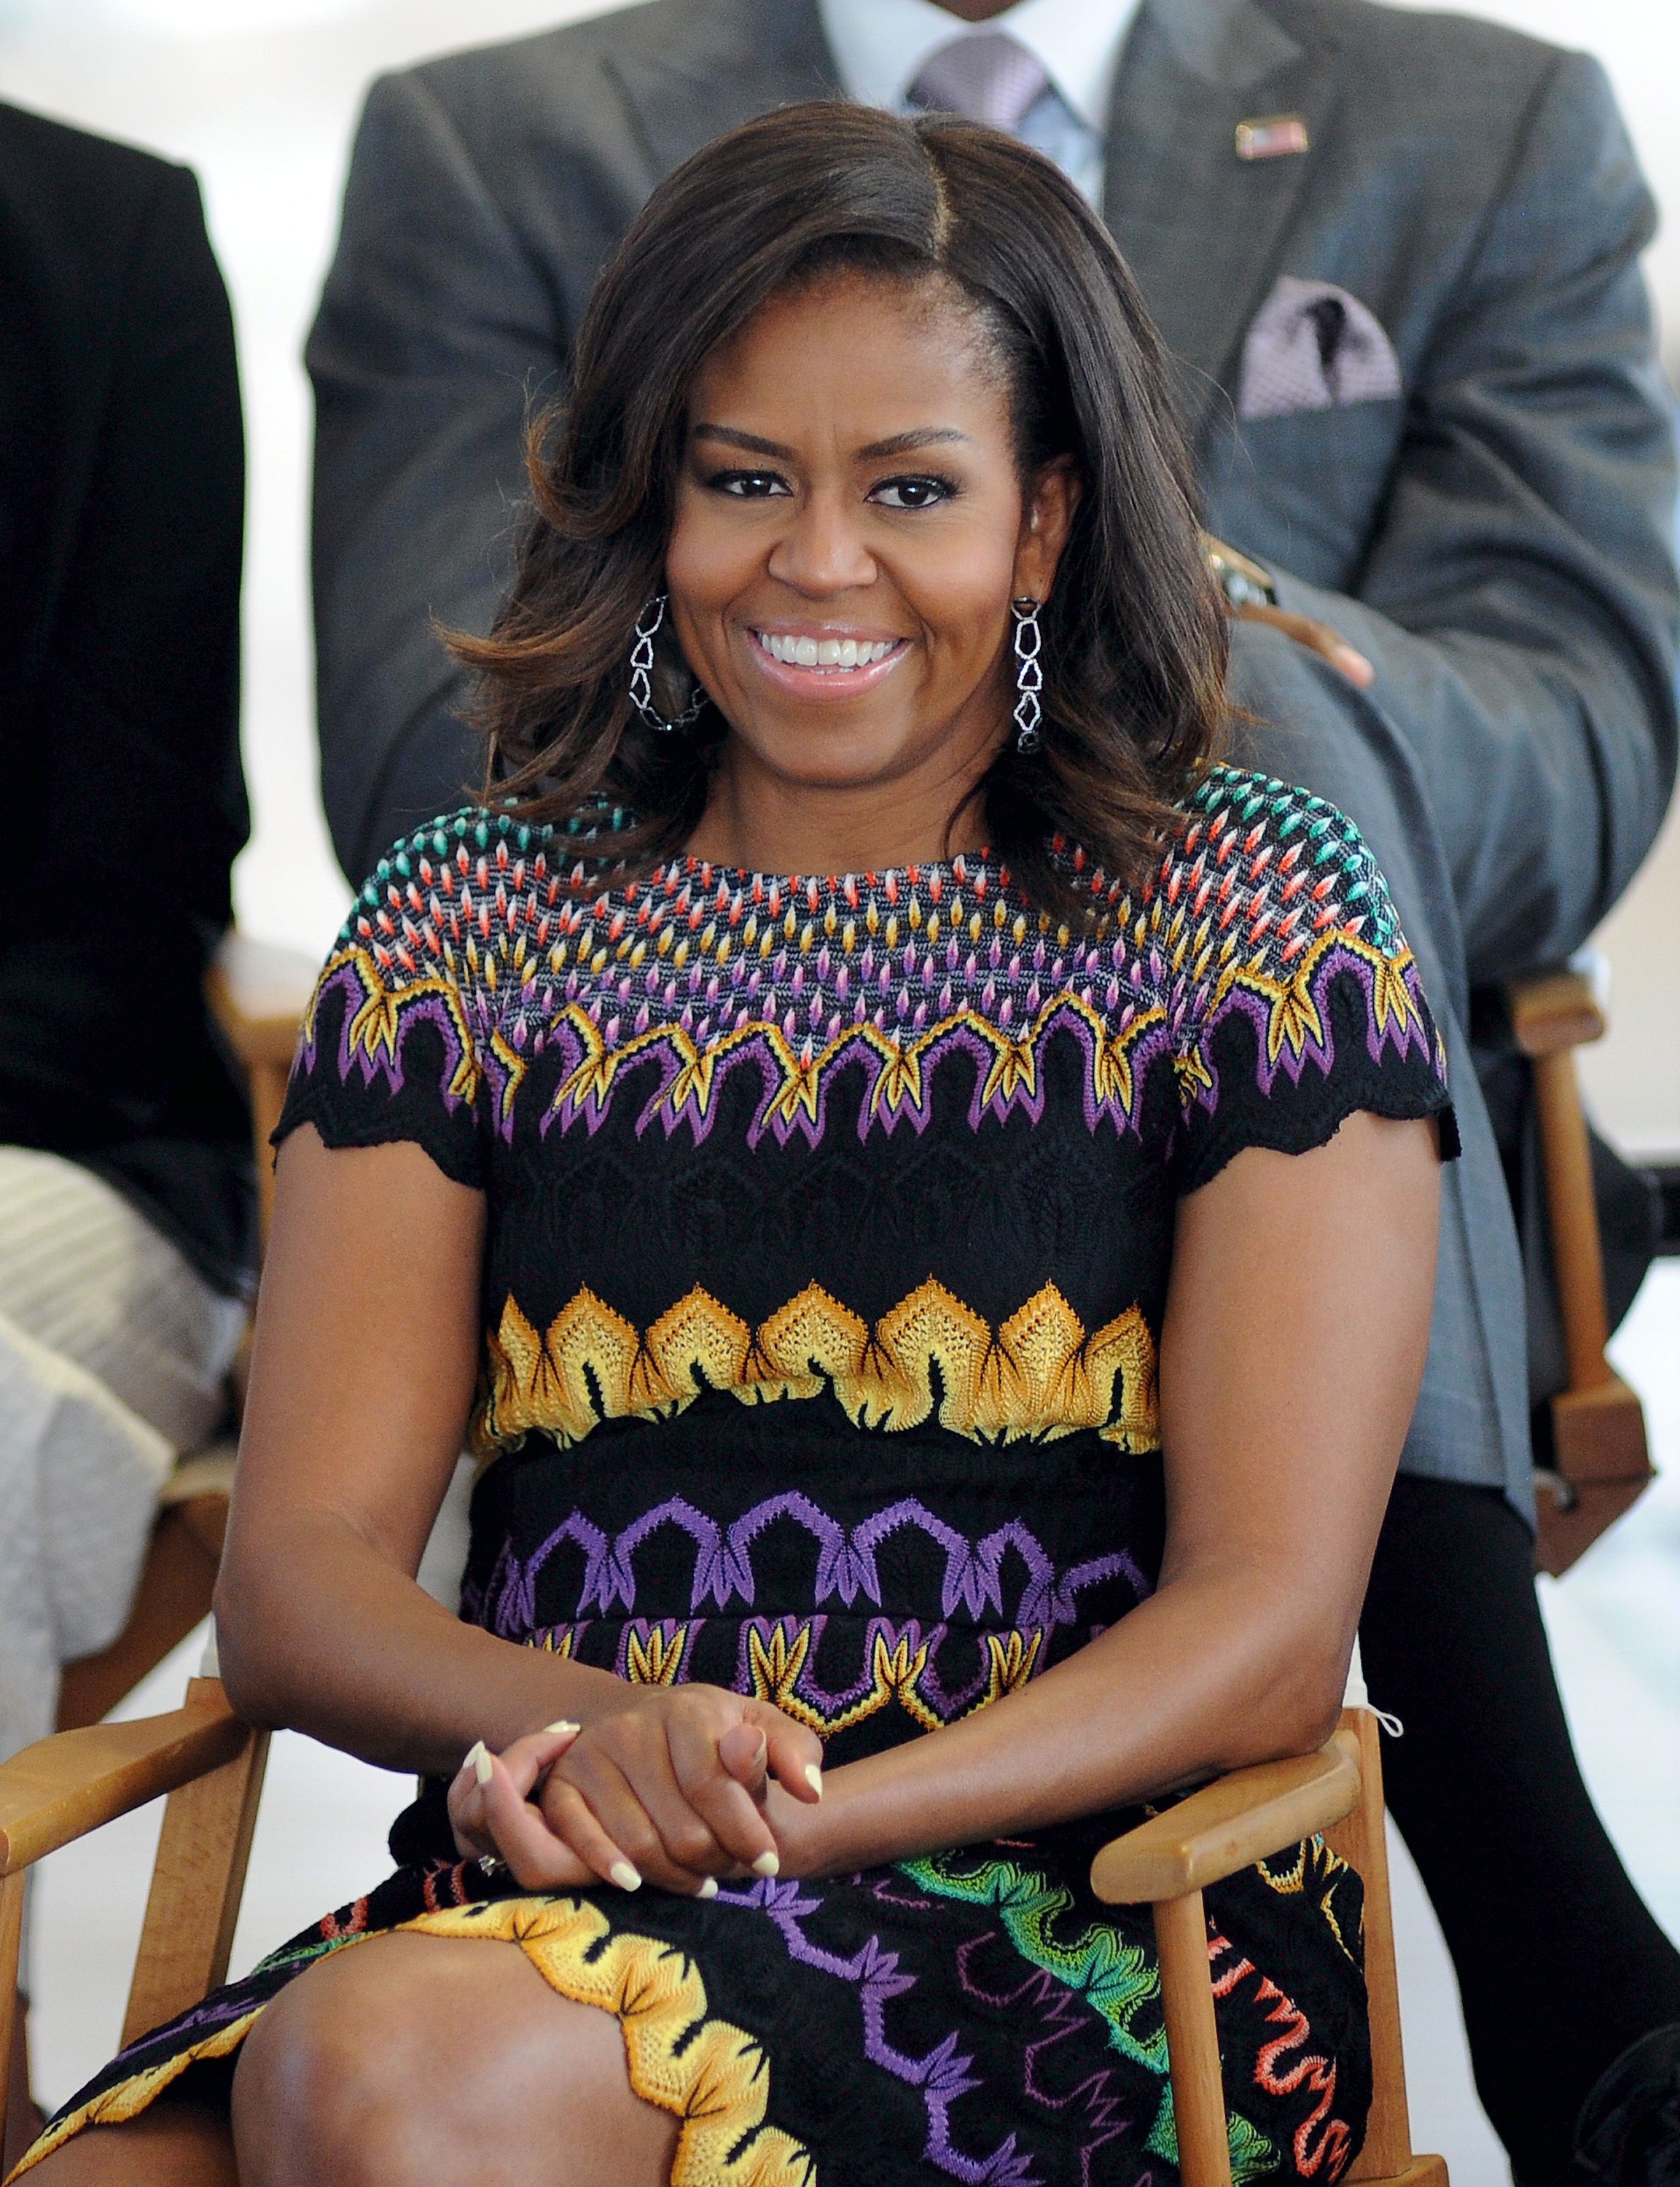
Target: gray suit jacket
<point>1494,538</point>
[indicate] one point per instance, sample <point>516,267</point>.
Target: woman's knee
<point>413,2059</point>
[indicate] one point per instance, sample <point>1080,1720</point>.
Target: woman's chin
<point>818,758</point>
<point>836,772</point>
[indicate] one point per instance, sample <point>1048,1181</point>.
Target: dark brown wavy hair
<point>1134,636</point>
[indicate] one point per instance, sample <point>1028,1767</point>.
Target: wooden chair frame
<point>210,1766</point>
<point>1601,1455</point>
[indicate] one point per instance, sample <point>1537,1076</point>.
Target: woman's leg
<point>1560,1966</point>
<point>408,2061</point>
<point>172,2144</point>
<point>429,2061</point>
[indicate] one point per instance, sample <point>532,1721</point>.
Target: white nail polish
<point>767,1865</point>
<point>708,1888</point>
<point>479,1756</point>
<point>625,1876</point>
<point>813,1777</point>
<point>561,1726</point>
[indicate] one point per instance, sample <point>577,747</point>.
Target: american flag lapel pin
<point>1273,136</point>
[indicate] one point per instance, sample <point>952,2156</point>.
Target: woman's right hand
<point>668,1786</point>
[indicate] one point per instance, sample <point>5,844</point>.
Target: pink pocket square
<point>1313,346</point>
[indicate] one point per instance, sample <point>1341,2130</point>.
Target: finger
<point>473,1835</point>
<point>795,1756</point>
<point>744,1752</point>
<point>530,1758</point>
<point>526,1762</point>
<point>1316,637</point>
<point>734,1816</point>
<point>537,1857</point>
<point>636,1800</point>
<point>1352,663</point>
<point>625,1856</point>
<point>465,1802</point>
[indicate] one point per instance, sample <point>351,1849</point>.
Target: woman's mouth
<point>828,657</point>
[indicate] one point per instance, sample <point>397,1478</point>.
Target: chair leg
<point>1193,2042</point>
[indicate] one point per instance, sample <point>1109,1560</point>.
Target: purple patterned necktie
<point>987,78</point>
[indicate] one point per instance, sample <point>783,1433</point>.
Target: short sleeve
<point>390,1046</point>
<point>1296,1000</point>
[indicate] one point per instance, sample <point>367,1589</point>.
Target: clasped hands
<point>677,1786</point>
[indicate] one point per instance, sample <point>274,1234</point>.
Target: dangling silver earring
<point>641,671</point>
<point>1029,675</point>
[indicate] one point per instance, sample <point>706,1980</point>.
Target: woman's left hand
<point>492,1814</point>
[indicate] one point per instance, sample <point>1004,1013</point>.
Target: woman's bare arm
<point>362,1372</point>
<point>1293,1346</point>
<point>367,1351</point>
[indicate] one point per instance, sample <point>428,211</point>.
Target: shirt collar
<point>879,46</point>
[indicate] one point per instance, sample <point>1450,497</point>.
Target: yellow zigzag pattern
<point>1293,1022</point>
<point>708,2072</point>
<point>1039,1376</point>
<point>129,2097</point>
<point>775,1664</point>
<point>901,1082</point>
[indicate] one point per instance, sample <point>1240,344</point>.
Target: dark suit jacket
<point>1495,538</point>
<point>121,516</point>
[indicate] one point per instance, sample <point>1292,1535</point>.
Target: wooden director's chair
<point>210,1766</point>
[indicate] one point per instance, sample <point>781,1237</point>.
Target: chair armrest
<point>1552,1011</point>
<point>1229,1824</point>
<point>61,1787</point>
<point>258,993</point>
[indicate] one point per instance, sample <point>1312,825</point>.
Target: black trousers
<point>1560,1964</point>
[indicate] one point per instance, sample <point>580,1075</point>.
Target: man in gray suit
<point>1395,257</point>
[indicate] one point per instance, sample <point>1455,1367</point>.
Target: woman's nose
<point>821,550</point>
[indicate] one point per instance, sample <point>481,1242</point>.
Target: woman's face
<point>849,531</point>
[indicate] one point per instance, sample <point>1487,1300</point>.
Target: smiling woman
<point>820,405</point>
<point>921,1185</point>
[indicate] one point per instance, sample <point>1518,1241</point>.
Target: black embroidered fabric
<point>831,1226</point>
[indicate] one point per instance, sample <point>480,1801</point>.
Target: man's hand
<point>1316,637</point>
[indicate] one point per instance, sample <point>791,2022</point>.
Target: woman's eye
<point>912,492</point>
<point>748,485</point>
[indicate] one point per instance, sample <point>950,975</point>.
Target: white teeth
<point>842,653</point>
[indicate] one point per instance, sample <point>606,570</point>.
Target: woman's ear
<point>1046,522</point>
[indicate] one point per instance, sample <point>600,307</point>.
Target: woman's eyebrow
<point>898,444</point>
<point>740,440</point>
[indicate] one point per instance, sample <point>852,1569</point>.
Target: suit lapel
<point>1202,230</point>
<point>729,62</point>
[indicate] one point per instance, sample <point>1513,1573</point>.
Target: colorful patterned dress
<point>829,1241</point>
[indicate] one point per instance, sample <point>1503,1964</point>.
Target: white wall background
<point>261,97</point>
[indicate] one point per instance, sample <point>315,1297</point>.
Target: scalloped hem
<point>706,2071</point>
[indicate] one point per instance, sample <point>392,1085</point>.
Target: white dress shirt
<point>880,47</point>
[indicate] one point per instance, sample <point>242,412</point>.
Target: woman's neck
<point>762,824</point>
